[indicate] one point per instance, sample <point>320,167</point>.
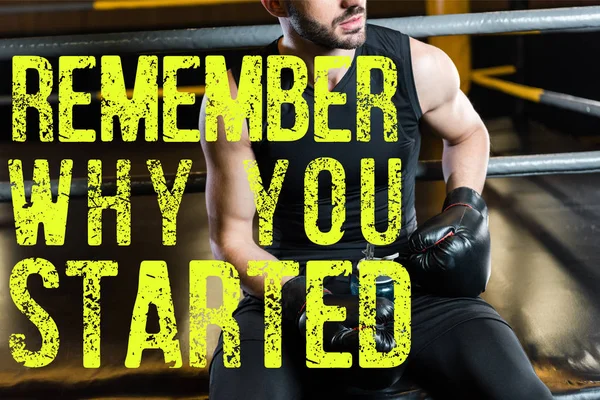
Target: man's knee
<point>538,391</point>
<point>512,375</point>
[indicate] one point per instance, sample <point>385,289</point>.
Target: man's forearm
<point>465,163</point>
<point>239,255</point>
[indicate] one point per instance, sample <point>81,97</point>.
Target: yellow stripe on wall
<point>483,77</point>
<point>132,4</point>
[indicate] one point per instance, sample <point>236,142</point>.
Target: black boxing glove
<point>343,336</point>
<point>450,254</point>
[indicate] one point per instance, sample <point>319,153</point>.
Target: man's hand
<point>343,336</point>
<point>450,253</point>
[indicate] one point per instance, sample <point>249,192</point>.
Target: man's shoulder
<point>395,43</point>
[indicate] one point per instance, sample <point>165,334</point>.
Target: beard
<point>320,34</point>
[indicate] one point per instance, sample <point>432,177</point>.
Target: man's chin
<point>354,41</point>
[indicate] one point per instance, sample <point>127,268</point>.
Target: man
<point>461,348</point>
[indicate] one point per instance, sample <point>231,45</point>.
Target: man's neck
<point>307,51</point>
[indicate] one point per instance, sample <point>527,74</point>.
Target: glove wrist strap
<point>465,196</point>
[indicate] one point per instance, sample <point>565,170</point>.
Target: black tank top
<point>431,315</point>
<point>290,241</point>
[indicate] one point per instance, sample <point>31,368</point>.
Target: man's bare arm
<point>230,201</point>
<point>449,113</point>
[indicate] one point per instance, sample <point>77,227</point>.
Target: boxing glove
<point>450,254</point>
<point>343,336</point>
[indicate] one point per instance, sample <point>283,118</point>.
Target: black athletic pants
<point>459,351</point>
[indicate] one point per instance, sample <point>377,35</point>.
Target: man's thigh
<point>477,359</point>
<point>252,379</point>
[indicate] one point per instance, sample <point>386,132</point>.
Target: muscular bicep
<point>455,120</point>
<point>229,199</point>
<point>446,109</point>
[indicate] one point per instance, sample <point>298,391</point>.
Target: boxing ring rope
<point>498,167</point>
<point>236,37</point>
<point>483,77</point>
